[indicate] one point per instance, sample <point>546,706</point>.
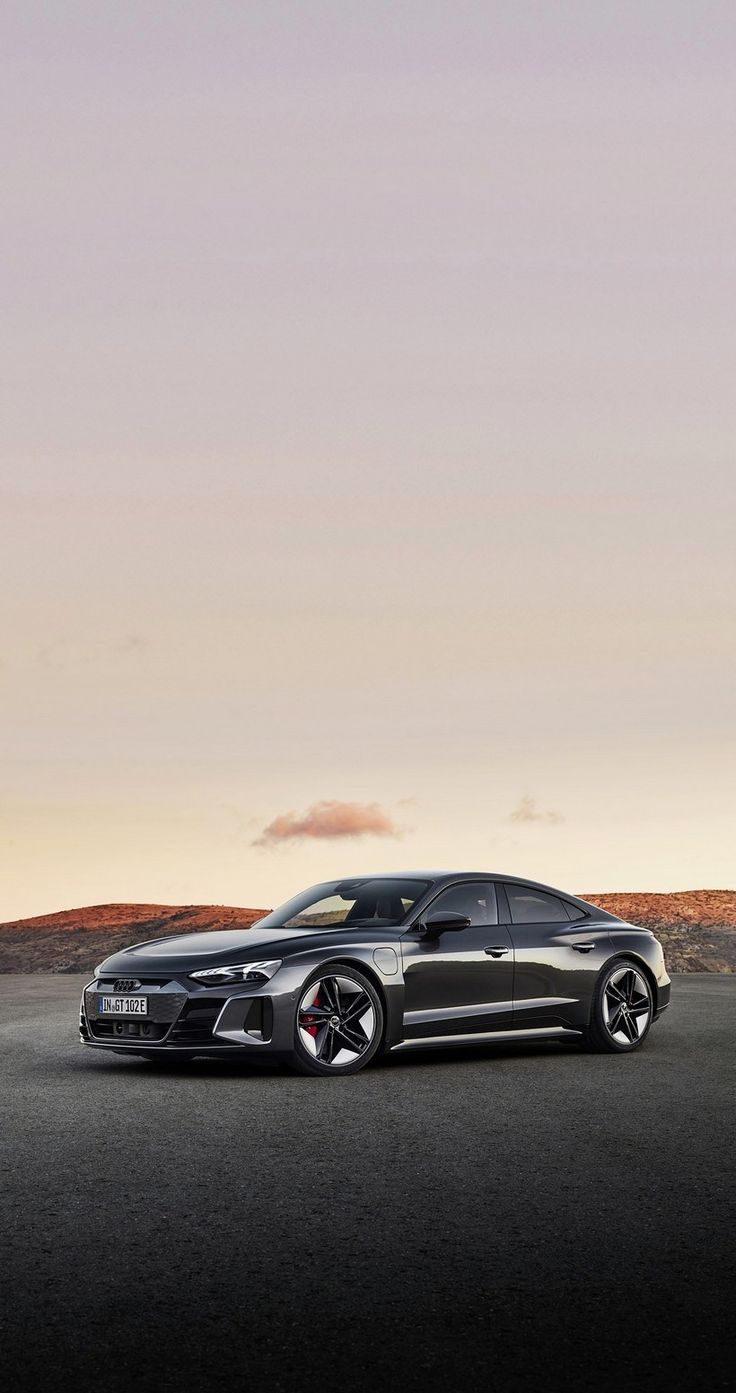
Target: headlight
<point>243,972</point>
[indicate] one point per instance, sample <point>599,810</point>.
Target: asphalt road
<point>512,1218</point>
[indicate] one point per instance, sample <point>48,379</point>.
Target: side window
<point>475,898</point>
<point>534,906</point>
<point>574,911</point>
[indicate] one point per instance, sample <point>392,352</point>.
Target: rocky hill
<point>697,928</point>
<point>74,940</point>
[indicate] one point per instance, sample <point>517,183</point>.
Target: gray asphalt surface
<point>518,1218</point>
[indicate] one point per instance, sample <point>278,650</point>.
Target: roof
<point>439,877</point>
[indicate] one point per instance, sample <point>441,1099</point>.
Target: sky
<point>367,474</point>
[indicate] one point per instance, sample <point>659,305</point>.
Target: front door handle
<point>498,950</point>
<point>582,947</point>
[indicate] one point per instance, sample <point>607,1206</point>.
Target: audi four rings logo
<point>126,984</point>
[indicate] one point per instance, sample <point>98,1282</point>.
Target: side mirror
<point>444,921</point>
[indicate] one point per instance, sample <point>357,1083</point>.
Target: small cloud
<point>526,810</point>
<point>329,819</point>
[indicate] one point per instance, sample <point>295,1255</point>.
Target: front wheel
<point>339,1023</point>
<point>622,1009</point>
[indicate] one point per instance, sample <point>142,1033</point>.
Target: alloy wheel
<point>336,1021</point>
<point>627,1006</point>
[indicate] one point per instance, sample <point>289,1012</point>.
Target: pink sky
<point>367,437</point>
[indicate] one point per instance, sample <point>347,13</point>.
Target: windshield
<point>376,900</point>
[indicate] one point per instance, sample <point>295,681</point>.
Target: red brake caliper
<point>310,1022</point>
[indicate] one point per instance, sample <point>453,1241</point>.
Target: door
<point>558,954</point>
<point>460,983</point>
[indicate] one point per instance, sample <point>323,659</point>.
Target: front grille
<point>196,1023</point>
<point>163,1007</point>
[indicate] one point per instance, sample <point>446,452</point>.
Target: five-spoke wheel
<point>339,1023</point>
<point>622,1008</point>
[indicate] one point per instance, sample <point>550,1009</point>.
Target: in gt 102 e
<point>350,968</point>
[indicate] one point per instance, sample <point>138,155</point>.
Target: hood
<point>187,952</point>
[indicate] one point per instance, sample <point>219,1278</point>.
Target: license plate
<point>123,1005</point>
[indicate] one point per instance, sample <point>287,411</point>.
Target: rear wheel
<point>622,1009</point>
<point>339,1023</point>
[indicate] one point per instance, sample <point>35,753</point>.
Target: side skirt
<point>552,1032</point>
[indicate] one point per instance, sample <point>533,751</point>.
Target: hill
<point>74,940</point>
<point>697,928</point>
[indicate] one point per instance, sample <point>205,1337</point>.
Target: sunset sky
<point>368,439</point>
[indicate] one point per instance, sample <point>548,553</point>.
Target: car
<point>353,968</point>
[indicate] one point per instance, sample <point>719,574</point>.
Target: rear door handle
<point>498,950</point>
<point>582,947</point>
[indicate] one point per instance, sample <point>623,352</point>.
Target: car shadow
<point>199,1066</point>
<point>178,1068</point>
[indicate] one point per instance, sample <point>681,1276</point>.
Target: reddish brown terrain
<point>74,940</point>
<point>697,928</point>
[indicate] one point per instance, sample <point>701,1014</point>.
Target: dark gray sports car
<point>385,963</point>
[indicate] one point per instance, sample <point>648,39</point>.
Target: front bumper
<point>183,1018</point>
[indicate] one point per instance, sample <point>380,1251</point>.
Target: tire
<point>338,1022</point>
<point>622,1010</point>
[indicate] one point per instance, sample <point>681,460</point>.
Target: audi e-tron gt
<point>351,968</point>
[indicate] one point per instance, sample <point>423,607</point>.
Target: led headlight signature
<point>241,972</point>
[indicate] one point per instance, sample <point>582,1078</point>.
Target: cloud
<point>328,819</point>
<point>526,810</point>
